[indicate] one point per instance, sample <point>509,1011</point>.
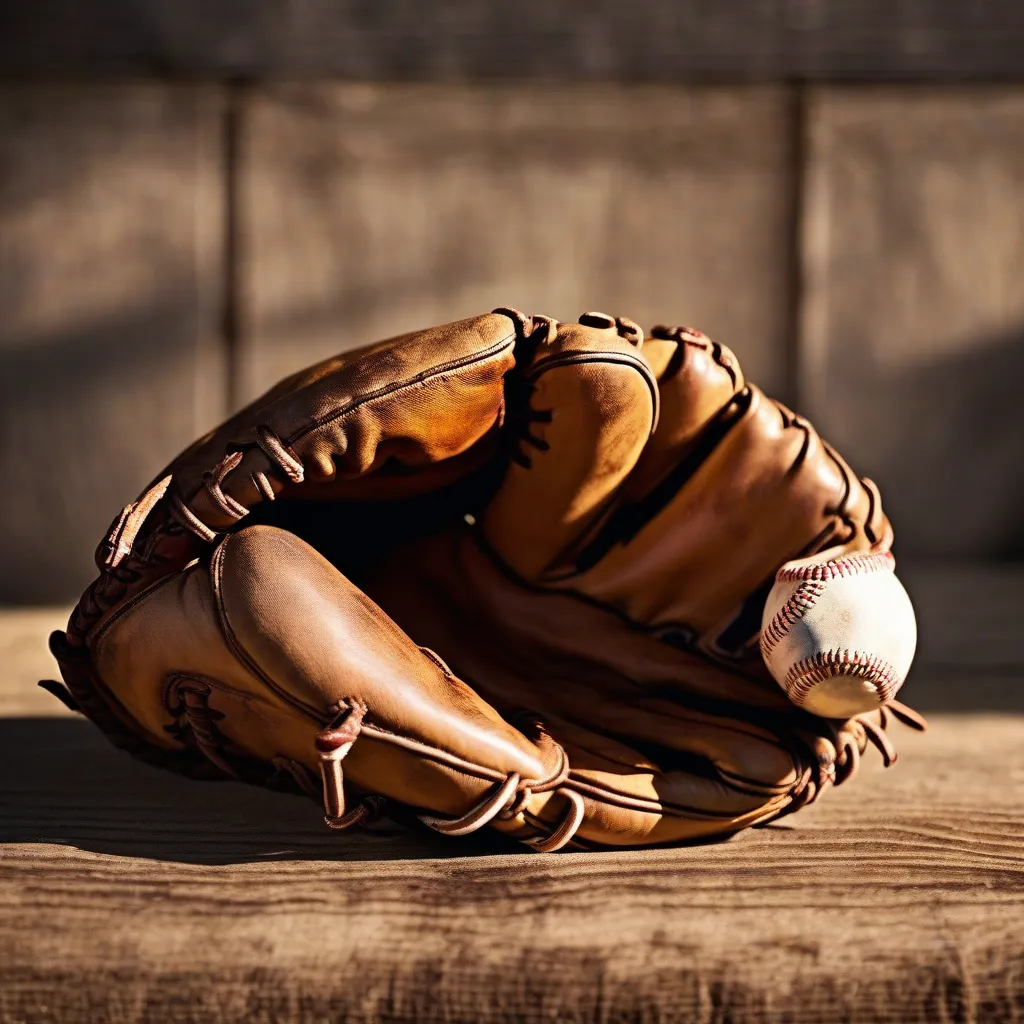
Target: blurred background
<point>196,198</point>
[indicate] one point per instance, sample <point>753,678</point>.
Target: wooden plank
<point>913,327</point>
<point>368,211</point>
<point>130,895</point>
<point>936,40</point>
<point>110,361</point>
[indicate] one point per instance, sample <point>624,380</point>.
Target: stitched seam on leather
<point>874,509</point>
<point>842,509</point>
<point>683,337</point>
<point>640,627</point>
<point>389,389</point>
<point>716,354</point>
<point>800,602</point>
<point>839,568</point>
<point>449,759</point>
<point>96,637</point>
<point>619,358</point>
<point>825,665</point>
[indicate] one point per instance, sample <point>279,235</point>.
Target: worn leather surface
<point>505,571</point>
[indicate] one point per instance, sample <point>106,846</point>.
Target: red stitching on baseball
<point>851,565</point>
<point>798,604</point>
<point>808,673</point>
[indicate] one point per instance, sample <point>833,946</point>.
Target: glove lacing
<point>504,801</point>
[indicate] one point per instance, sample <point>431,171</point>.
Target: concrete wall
<point>167,250</point>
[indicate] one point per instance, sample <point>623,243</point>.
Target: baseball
<point>839,635</point>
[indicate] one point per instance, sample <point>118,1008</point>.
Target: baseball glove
<point>506,571</point>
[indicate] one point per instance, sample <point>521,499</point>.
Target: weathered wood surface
<point>367,211</point>
<point>598,39</point>
<point>110,276</point>
<point>130,895</point>
<point>912,348</point>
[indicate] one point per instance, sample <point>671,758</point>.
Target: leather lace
<point>212,480</point>
<point>110,587</point>
<point>504,800</point>
<point>189,702</point>
<point>859,732</point>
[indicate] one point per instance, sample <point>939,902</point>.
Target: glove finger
<point>409,403</point>
<point>747,756</point>
<point>731,486</point>
<point>634,794</point>
<point>627,801</point>
<point>274,656</point>
<point>580,410</point>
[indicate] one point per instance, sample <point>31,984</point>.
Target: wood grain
<point>127,894</point>
<point>646,39</point>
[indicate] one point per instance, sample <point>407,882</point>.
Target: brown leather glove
<point>582,526</point>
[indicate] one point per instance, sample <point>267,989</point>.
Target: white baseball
<point>839,636</point>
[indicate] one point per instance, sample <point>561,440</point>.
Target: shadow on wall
<point>944,442</point>
<point>89,416</point>
<point>110,262</point>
